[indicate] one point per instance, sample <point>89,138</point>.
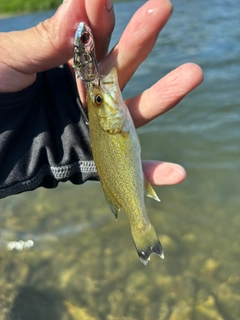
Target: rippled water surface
<point>81,263</point>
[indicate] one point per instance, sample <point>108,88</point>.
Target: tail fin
<point>147,242</point>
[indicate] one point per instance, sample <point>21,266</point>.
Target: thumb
<point>50,43</point>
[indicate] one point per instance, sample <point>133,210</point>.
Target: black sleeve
<point>44,137</point>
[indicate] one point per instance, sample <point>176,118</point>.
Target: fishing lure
<point>85,62</point>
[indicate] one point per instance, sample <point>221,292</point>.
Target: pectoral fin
<point>149,192</point>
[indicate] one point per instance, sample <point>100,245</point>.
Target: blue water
<point>78,261</point>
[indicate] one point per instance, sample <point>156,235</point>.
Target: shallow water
<point>82,263</point>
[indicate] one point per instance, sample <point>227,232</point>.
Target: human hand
<point>135,44</point>
<point>50,44</point>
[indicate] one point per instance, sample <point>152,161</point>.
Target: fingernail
<point>109,5</point>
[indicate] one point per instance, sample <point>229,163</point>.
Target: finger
<point>165,94</point>
<point>50,43</point>
<point>101,20</point>
<point>138,39</point>
<point>163,173</point>
<point>101,32</point>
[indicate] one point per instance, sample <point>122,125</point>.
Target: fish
<point>117,156</point>
<point>117,153</point>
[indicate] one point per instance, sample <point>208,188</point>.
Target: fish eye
<point>98,99</point>
<point>85,38</point>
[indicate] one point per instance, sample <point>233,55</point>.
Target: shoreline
<point>20,13</point>
<point>10,15</point>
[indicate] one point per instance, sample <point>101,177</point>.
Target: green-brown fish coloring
<point>116,152</point>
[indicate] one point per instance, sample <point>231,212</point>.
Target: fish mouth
<point>145,253</point>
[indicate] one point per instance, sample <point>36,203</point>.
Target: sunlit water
<point>81,263</point>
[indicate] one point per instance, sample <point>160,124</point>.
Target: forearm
<point>44,135</point>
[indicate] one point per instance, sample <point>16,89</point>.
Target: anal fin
<point>149,191</point>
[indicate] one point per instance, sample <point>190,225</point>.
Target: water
<point>83,264</point>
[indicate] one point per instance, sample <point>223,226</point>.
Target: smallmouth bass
<point>115,145</point>
<point>116,152</point>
